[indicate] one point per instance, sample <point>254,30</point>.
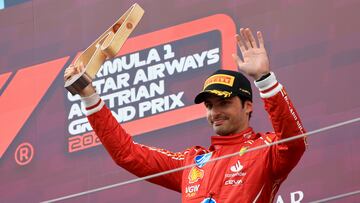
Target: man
<point>227,95</point>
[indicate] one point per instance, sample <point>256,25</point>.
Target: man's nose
<point>215,111</point>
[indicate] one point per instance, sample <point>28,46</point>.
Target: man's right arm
<point>138,159</point>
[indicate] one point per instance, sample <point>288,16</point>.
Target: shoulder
<point>195,150</point>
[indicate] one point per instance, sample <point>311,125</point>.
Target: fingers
<point>261,39</point>
<point>69,72</point>
<point>80,68</point>
<point>240,43</point>
<point>251,38</point>
<point>246,39</point>
<point>73,70</point>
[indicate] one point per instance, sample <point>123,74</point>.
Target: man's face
<point>227,115</point>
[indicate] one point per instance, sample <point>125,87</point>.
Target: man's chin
<point>219,130</point>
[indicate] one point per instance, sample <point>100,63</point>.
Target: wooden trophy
<point>105,47</point>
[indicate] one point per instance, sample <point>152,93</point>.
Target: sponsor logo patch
<point>243,150</point>
<point>221,79</point>
<point>237,167</point>
<point>191,190</point>
<point>195,174</point>
<point>202,159</point>
<point>233,182</point>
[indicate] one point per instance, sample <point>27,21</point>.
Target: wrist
<point>261,76</point>
<point>268,86</point>
<point>87,91</point>
<point>92,103</point>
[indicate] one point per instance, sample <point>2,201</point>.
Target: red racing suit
<point>247,177</point>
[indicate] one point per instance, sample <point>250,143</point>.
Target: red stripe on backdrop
<point>22,95</point>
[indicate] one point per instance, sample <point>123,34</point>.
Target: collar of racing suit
<point>238,138</point>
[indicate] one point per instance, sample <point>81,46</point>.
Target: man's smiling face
<point>227,115</point>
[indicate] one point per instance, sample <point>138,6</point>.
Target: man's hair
<point>243,100</point>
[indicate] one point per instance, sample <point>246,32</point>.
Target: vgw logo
<point>21,96</point>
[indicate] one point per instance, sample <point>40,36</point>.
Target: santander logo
<point>237,167</point>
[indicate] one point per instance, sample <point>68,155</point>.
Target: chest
<point>225,175</point>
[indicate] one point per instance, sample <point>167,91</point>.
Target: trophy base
<point>77,83</point>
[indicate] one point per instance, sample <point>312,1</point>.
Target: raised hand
<point>73,70</point>
<point>255,61</point>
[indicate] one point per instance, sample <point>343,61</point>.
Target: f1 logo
<point>22,95</point>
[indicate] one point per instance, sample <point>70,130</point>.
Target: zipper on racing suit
<point>211,193</point>
<point>210,197</point>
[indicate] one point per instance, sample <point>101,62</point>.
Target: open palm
<point>255,60</point>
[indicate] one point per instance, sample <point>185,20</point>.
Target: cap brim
<point>201,97</point>
<point>206,93</point>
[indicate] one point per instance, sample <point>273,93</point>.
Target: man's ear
<point>248,105</point>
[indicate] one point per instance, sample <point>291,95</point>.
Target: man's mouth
<point>218,122</point>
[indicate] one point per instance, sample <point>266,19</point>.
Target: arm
<point>138,159</point>
<point>286,123</point>
<point>284,118</point>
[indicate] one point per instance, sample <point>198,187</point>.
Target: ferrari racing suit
<point>246,177</point>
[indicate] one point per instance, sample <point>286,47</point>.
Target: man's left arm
<point>286,123</point>
<point>285,120</point>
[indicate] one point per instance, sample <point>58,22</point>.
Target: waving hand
<point>255,61</point>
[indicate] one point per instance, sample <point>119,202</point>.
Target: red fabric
<point>252,176</point>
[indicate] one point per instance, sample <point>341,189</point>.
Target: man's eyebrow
<point>226,99</point>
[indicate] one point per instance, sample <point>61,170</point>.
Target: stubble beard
<point>222,130</point>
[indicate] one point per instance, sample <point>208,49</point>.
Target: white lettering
<point>140,76</point>
<point>125,114</point>
<point>190,189</point>
<point>109,85</point>
<point>189,63</point>
<point>175,65</point>
<point>159,105</point>
<point>200,58</point>
<point>293,195</point>
<point>79,126</point>
<point>233,182</point>
<point>136,58</point>
<point>279,199</point>
<point>213,56</point>
<point>169,53</point>
<point>153,56</point>
<point>116,90</point>
<point>73,98</point>
<point>156,71</point>
<point>75,110</point>
<point>238,174</point>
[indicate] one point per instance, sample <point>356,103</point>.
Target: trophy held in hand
<point>105,47</point>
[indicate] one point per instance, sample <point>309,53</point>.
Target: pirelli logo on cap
<point>220,79</point>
